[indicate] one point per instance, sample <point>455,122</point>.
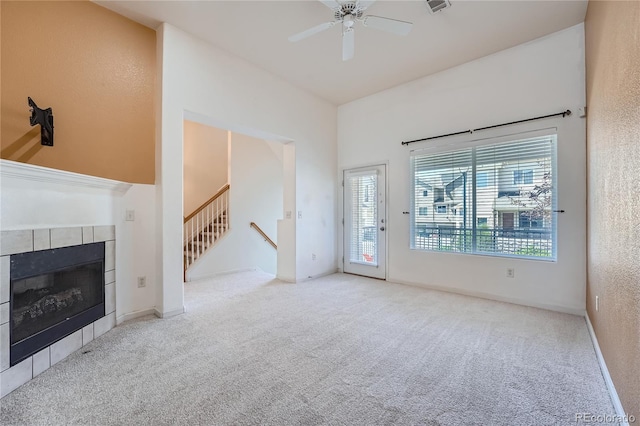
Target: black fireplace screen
<point>54,293</point>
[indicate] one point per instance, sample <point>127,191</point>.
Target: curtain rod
<point>563,114</point>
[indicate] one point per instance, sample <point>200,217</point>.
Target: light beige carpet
<point>339,350</point>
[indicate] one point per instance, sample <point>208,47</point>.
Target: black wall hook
<point>43,117</point>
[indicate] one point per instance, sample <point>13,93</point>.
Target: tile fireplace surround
<point>28,240</point>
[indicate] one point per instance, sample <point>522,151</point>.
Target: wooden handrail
<point>206,203</point>
<point>266,238</point>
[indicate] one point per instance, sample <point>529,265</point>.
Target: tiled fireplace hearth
<point>15,369</point>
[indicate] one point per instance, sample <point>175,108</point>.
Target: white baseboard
<point>605,373</point>
<point>281,278</point>
<point>313,277</point>
<point>217,274</point>
<point>489,296</point>
<point>134,315</point>
<point>165,315</point>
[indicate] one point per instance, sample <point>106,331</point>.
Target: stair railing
<point>264,235</point>
<point>205,225</point>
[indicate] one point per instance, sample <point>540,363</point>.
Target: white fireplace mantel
<point>34,197</point>
<point>22,171</point>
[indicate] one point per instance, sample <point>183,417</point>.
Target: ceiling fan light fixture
<point>348,21</point>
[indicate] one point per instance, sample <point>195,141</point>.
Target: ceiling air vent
<point>438,5</point>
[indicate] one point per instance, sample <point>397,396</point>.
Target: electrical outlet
<point>299,214</point>
<point>597,303</point>
<point>142,282</point>
<point>130,215</point>
<point>313,256</point>
<point>511,273</point>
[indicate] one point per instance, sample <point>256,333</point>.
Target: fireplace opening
<point>53,294</point>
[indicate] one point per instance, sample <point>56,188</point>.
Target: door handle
<point>382,228</point>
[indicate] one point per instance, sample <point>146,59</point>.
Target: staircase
<point>205,226</point>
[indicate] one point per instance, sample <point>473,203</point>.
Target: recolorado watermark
<point>605,418</point>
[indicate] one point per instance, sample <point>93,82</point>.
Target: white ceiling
<point>257,31</point>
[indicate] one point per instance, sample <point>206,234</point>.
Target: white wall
<point>538,78</point>
<point>136,241</point>
<point>64,199</point>
<point>196,77</point>
<point>286,269</point>
<point>255,195</point>
<point>205,163</point>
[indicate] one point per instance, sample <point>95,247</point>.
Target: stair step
<point>201,245</point>
<point>200,242</point>
<point>214,231</point>
<point>211,235</point>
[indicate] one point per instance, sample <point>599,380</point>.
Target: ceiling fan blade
<point>365,4</point>
<point>389,25</point>
<point>331,4</point>
<point>348,44</point>
<point>311,31</point>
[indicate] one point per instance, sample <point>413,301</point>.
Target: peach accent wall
<point>97,70</point>
<point>206,163</point>
<point>613,145</point>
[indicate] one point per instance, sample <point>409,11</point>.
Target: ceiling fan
<point>347,13</point>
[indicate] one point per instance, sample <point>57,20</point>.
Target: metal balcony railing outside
<point>531,242</point>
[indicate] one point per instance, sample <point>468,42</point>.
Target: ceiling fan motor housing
<point>350,8</point>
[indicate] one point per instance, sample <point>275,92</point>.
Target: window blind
<point>494,198</point>
<point>361,189</point>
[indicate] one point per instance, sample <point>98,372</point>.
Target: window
<point>531,219</point>
<point>508,193</point>
<point>438,195</point>
<point>501,219</point>
<point>425,193</point>
<point>522,177</point>
<point>482,180</point>
<point>423,211</point>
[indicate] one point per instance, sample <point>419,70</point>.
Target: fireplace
<point>53,294</point>
<point>48,209</point>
